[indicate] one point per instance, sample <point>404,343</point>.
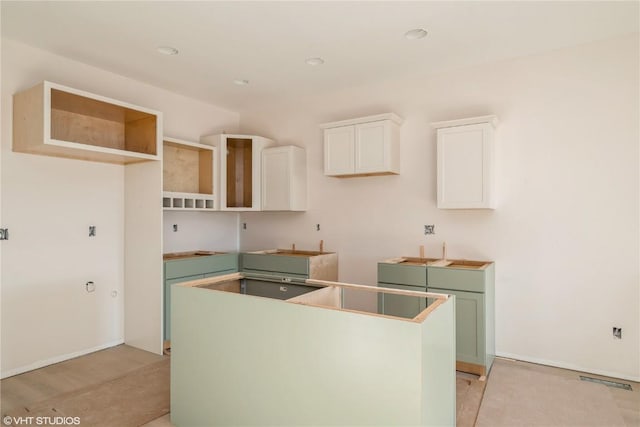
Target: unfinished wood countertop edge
<point>200,283</point>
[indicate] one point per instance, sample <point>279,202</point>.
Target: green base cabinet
<point>473,285</point>
<point>187,268</point>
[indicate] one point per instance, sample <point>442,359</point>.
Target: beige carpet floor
<point>523,397</point>
<point>133,399</point>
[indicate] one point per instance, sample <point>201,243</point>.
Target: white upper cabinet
<point>466,163</point>
<point>362,147</point>
<point>284,179</point>
<point>240,169</point>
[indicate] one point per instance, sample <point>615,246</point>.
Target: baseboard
<point>568,366</point>
<point>58,359</point>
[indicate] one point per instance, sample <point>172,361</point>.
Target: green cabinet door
<point>470,325</point>
<point>404,306</point>
<point>167,300</point>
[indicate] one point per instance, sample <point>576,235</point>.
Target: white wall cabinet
<point>366,146</point>
<point>284,179</point>
<point>466,163</point>
<point>240,169</point>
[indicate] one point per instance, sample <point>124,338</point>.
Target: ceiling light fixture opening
<point>415,34</point>
<point>167,50</point>
<point>314,61</point>
<point>241,82</point>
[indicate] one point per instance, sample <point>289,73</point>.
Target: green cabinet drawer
<point>275,290</point>
<point>297,266</point>
<point>200,265</point>
<point>470,325</point>
<point>167,300</point>
<point>413,275</point>
<point>404,306</point>
<point>459,279</point>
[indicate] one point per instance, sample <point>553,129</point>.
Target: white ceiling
<point>267,42</point>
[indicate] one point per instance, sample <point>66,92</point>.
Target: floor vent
<point>607,383</point>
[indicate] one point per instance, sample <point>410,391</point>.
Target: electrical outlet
<point>244,225</point>
<point>617,333</point>
<point>317,227</point>
<point>92,231</point>
<point>430,229</point>
<point>175,227</point>
<point>4,234</point>
<point>90,286</point>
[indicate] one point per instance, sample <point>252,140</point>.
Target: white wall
<point>48,204</point>
<point>209,231</point>
<point>565,236</point>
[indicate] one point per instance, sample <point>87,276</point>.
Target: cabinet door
<point>167,300</point>
<point>339,151</point>
<point>276,179</point>
<point>470,327</point>
<point>401,305</point>
<point>465,166</point>
<point>372,147</point>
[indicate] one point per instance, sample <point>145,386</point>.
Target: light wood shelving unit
<point>188,176</point>
<point>54,120</point>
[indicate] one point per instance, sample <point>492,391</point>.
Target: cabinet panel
<point>401,305</point>
<point>470,328</point>
<point>278,264</point>
<point>462,164</point>
<point>456,279</point>
<point>372,147</point>
<point>200,265</point>
<point>167,300</point>
<point>284,179</point>
<point>339,151</point>
<point>412,275</point>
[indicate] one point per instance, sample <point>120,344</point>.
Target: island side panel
<point>244,360</point>
<point>439,366</point>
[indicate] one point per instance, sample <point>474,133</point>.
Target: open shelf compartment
<point>56,120</point>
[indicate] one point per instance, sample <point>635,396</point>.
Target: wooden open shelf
<point>55,120</point>
<point>188,175</point>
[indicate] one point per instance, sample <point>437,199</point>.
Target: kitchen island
<point>241,359</point>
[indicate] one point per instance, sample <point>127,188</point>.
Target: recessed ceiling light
<point>167,50</point>
<point>314,61</point>
<point>415,34</point>
<point>241,82</point>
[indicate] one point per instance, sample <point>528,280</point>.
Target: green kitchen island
<point>248,360</point>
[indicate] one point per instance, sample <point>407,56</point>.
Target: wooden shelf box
<point>55,120</point>
<point>188,181</point>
